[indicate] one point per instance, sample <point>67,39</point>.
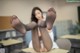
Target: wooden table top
<point>10,42</point>
<point>71,36</point>
<point>26,50</point>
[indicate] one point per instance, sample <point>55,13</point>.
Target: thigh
<point>46,38</point>
<point>35,40</point>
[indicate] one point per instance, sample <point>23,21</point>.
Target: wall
<point>66,10</point>
<point>22,8</point>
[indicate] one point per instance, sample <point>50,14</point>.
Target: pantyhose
<point>33,26</point>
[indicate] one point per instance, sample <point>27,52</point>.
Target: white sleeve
<point>51,35</point>
<point>52,38</point>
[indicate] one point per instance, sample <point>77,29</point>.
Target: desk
<point>71,36</point>
<point>52,51</point>
<point>8,43</point>
<point>75,41</point>
<point>75,47</point>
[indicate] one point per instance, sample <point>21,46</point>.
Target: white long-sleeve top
<point>52,38</point>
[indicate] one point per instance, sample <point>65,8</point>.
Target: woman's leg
<point>19,26</point>
<point>42,49</point>
<point>47,42</point>
<point>35,40</point>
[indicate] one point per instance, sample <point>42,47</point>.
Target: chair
<point>63,43</point>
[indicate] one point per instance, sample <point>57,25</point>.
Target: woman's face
<point>38,14</point>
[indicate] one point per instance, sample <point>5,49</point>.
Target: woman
<point>37,16</point>
<point>40,37</point>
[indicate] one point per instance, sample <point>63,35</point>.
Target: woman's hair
<point>33,18</point>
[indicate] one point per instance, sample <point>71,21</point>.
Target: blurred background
<point>67,20</point>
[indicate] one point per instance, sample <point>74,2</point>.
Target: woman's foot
<point>43,50</point>
<point>51,16</point>
<point>16,24</point>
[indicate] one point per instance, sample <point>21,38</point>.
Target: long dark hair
<point>33,18</point>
